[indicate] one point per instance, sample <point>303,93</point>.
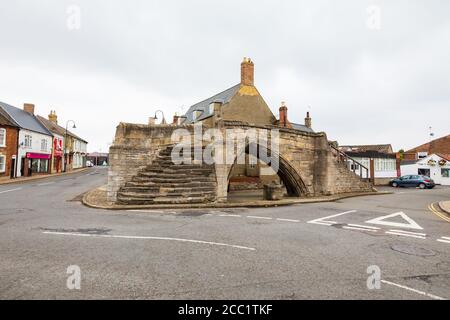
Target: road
<point>314,251</point>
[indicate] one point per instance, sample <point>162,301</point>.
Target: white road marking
<point>444,240</point>
<point>17,189</point>
<point>360,229</point>
<point>410,225</point>
<point>360,226</point>
<point>288,220</point>
<point>322,221</point>
<point>262,218</point>
<point>429,295</point>
<point>45,184</point>
<point>405,235</point>
<point>148,238</point>
<point>231,215</point>
<point>408,232</point>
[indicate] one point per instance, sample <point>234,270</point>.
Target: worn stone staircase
<point>164,182</point>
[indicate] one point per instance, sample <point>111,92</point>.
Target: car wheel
<point>422,186</point>
<point>395,184</point>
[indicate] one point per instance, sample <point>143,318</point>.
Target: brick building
<point>9,134</point>
<point>438,146</point>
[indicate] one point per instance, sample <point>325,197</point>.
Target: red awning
<point>31,155</point>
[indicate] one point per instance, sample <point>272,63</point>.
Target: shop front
<point>37,163</point>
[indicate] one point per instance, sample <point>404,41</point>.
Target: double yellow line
<point>432,208</point>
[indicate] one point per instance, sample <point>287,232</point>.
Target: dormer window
<point>197,114</point>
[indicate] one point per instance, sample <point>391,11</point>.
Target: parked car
<point>423,182</point>
<point>89,164</point>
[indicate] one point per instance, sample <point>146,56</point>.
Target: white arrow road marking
<point>147,238</point>
<point>17,189</point>
<point>410,225</point>
<point>360,226</point>
<point>323,221</point>
<point>429,295</point>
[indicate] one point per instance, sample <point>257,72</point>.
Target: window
<point>28,141</point>
<point>422,155</point>
<point>385,165</point>
<point>445,173</point>
<point>2,137</point>
<point>44,145</point>
<point>2,163</point>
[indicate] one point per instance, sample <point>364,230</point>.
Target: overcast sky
<point>366,80</point>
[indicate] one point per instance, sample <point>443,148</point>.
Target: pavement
<point>390,247</point>
<point>445,206</point>
<point>7,180</point>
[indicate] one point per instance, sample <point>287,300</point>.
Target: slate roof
<point>301,127</point>
<point>24,119</point>
<point>51,126</point>
<point>6,120</point>
<point>203,106</point>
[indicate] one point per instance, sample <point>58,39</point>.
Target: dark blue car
<point>423,182</point>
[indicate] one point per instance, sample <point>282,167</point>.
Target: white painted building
<point>434,166</point>
<point>79,153</point>
<point>35,141</point>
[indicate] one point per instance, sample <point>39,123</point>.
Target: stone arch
<point>288,174</point>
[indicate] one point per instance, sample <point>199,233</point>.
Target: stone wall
<point>134,148</point>
<point>306,160</point>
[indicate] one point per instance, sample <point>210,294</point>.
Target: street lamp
<point>163,119</point>
<point>65,143</point>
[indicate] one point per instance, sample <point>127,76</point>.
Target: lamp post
<point>65,144</point>
<point>163,118</point>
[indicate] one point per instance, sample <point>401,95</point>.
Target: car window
<point>405,178</point>
<point>416,177</point>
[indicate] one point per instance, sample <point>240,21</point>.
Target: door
<point>13,167</point>
<point>415,181</point>
<point>404,181</point>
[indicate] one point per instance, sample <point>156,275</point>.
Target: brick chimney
<point>28,107</point>
<point>308,121</point>
<point>53,117</point>
<point>176,119</point>
<point>284,122</point>
<point>247,72</point>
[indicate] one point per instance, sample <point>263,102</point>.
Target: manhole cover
<point>413,250</point>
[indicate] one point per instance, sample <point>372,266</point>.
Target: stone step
<point>176,175</point>
<point>163,200</point>
<point>165,164</point>
<point>193,184</point>
<point>170,190</point>
<point>194,170</point>
<point>189,179</point>
<point>149,195</point>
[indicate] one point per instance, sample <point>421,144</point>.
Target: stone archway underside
<point>294,184</point>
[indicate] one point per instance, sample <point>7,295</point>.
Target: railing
<point>350,163</point>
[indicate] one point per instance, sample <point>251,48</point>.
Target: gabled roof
<point>437,145</point>
<point>51,126</point>
<point>203,106</point>
<point>57,129</point>
<point>24,119</point>
<point>6,120</point>
<point>385,148</point>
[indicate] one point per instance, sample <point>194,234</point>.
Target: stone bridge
<point>141,171</point>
